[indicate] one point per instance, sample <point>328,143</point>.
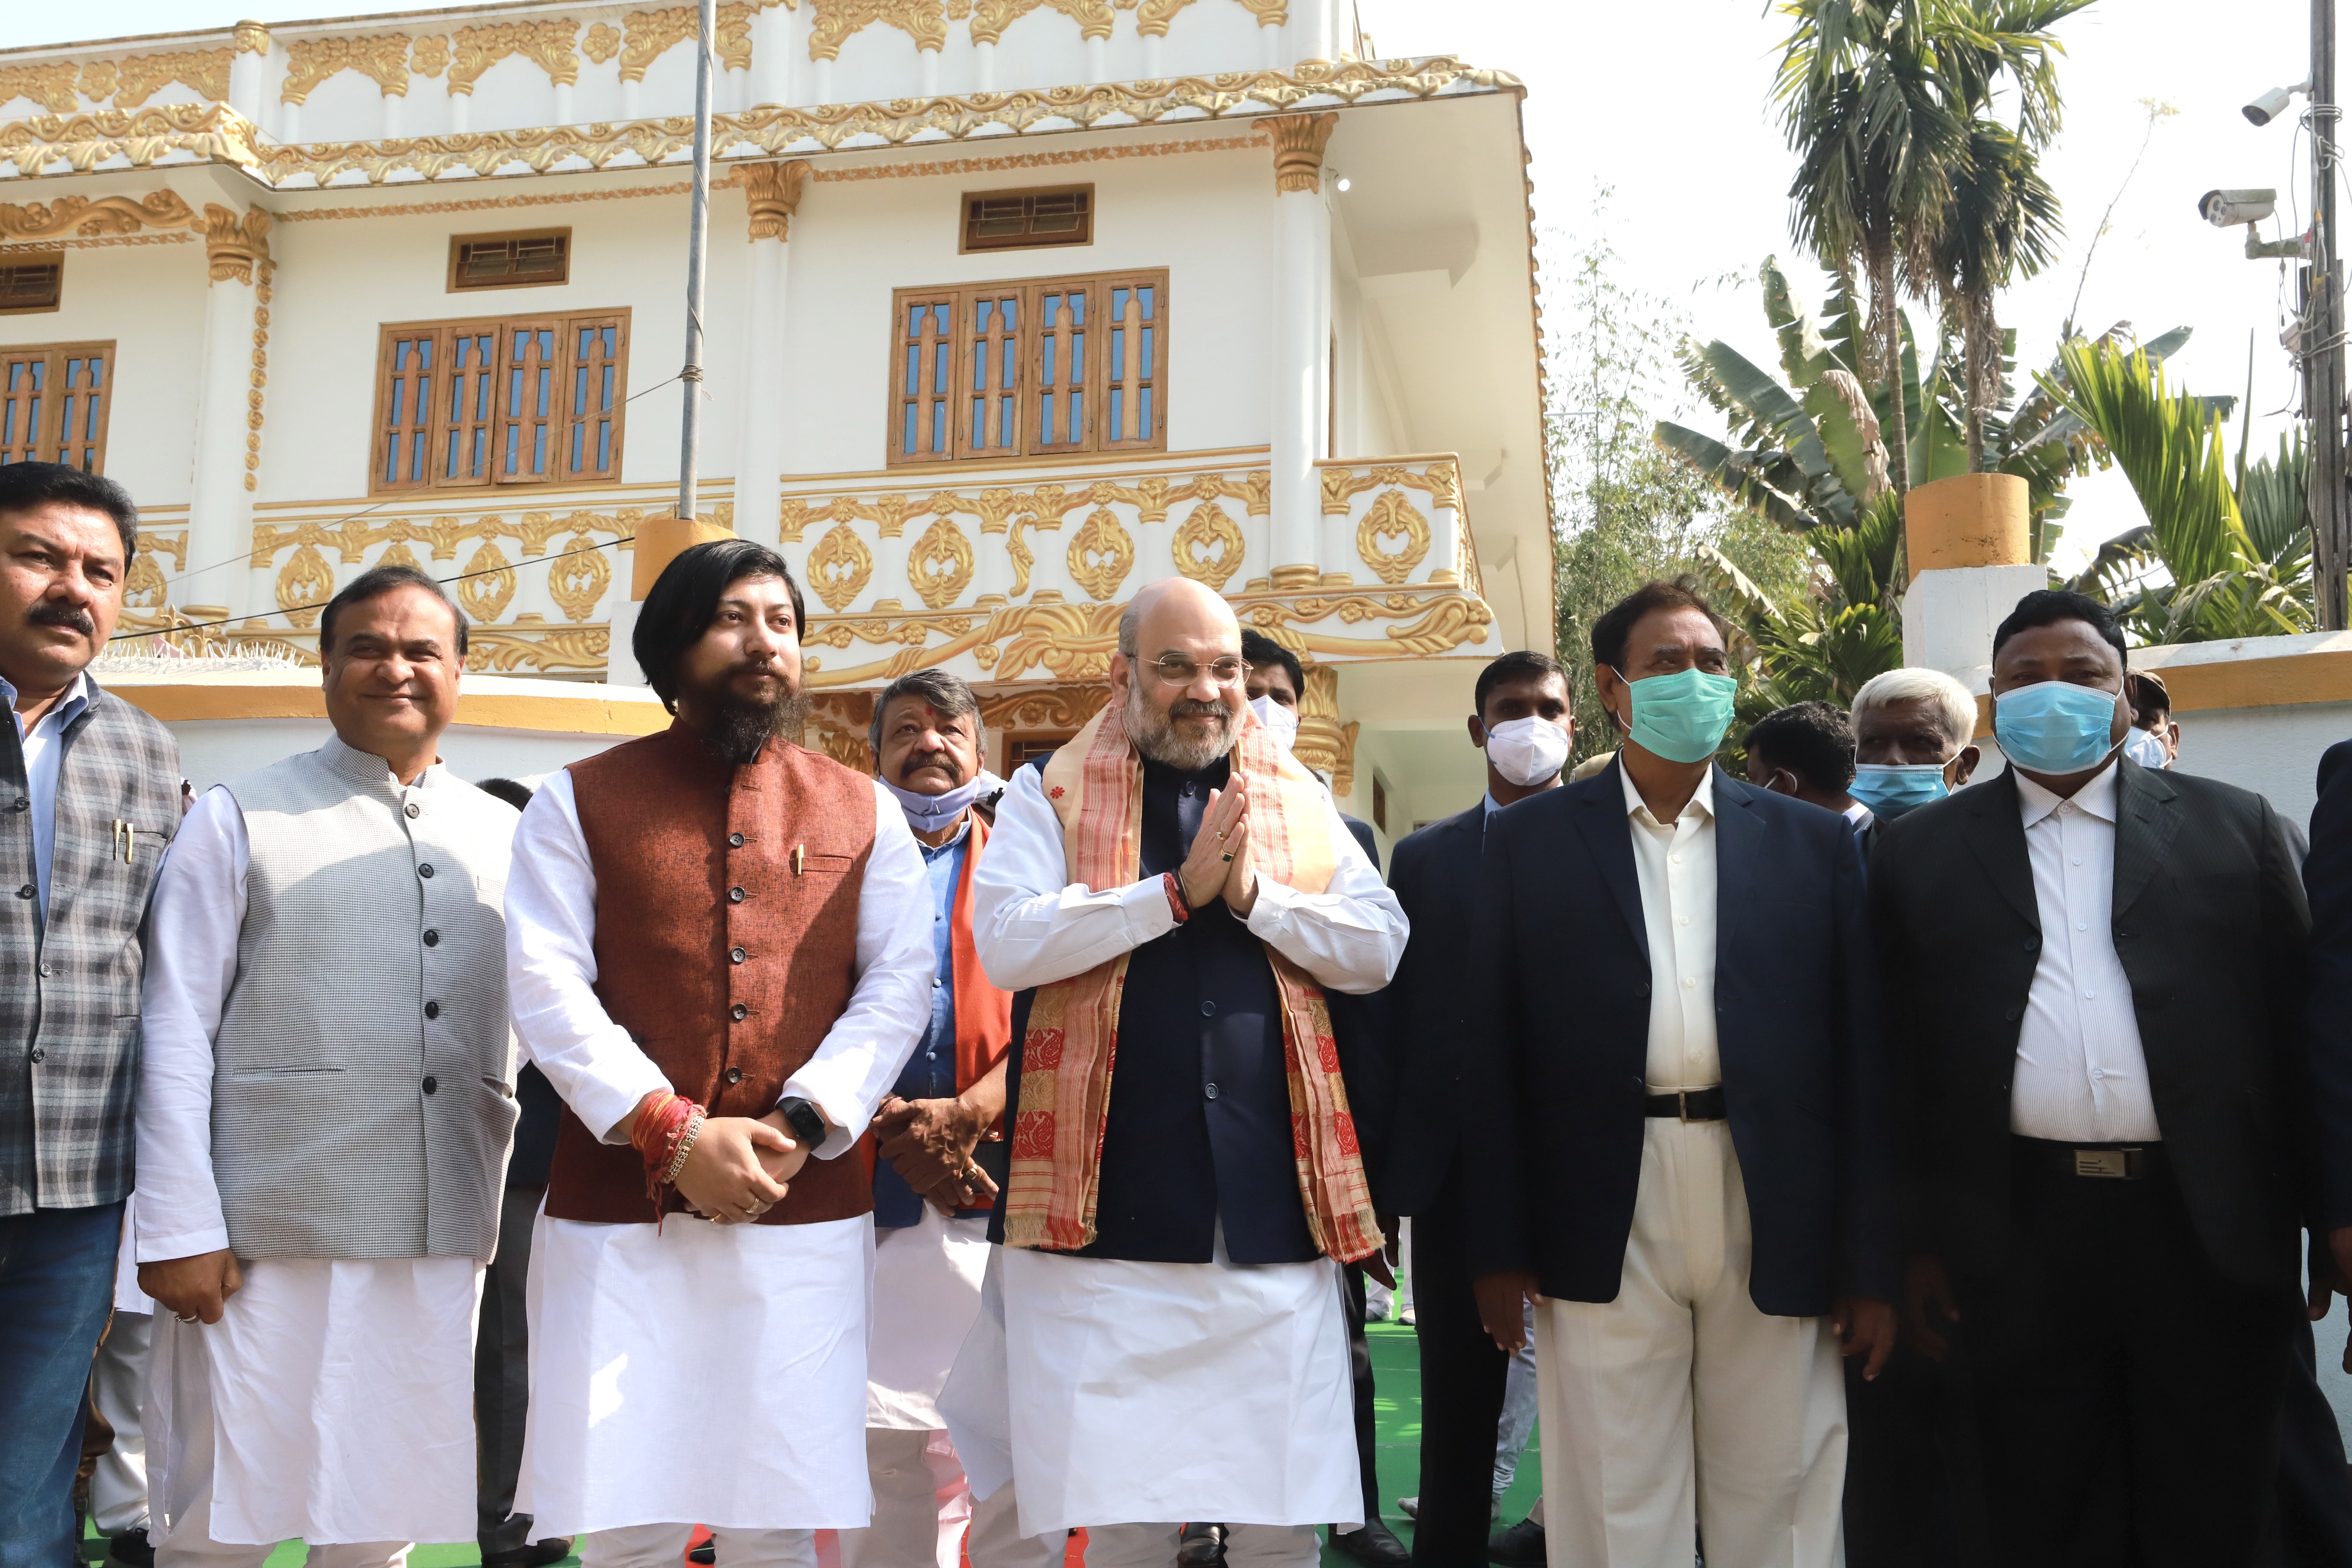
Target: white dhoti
<point>1679,1410</point>
<point>700,1374</point>
<point>333,1401</point>
<point>926,1297</point>
<point>1115,1393</point>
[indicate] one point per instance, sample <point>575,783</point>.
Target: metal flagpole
<point>689,426</point>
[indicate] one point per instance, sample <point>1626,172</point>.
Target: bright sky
<point>1698,170</point>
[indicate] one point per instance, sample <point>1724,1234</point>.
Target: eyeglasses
<point>1174,671</point>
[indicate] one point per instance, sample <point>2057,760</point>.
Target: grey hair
<point>1954,705</point>
<point>1130,628</point>
<point>946,694</point>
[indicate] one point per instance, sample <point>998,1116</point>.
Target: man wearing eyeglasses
<point>1161,1337</point>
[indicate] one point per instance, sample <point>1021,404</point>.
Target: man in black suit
<point>1686,1154</point>
<point>1435,874</point>
<point>2101,971</point>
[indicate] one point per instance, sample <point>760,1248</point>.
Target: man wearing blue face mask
<point>1912,730</point>
<point>2108,1152</point>
<point>1691,1170</point>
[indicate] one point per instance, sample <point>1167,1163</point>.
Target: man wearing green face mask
<point>1691,1171</point>
<point>2109,1150</point>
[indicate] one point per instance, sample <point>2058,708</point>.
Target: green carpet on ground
<point>1396,1386</point>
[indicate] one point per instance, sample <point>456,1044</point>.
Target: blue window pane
<point>605,398</point>
<point>1148,427</point>
<point>579,445</point>
<point>1149,334</point>
<point>940,425</point>
<point>416,456</point>
<point>906,436</point>
<point>1117,410</point>
<point>604,446</point>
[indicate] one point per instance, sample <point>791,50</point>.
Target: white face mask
<point>2146,747</point>
<point>1526,751</point>
<point>930,813</point>
<point>1281,723</point>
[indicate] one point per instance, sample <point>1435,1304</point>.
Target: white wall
<point>213,751</point>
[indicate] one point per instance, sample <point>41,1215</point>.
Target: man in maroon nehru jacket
<point>719,952</point>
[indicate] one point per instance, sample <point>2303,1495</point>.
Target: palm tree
<point>2003,224</point>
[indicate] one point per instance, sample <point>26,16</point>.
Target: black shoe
<point>1201,1546</point>
<point>1520,1546</point>
<point>537,1555</point>
<point>131,1547</point>
<point>706,1554</point>
<point>1375,1545</point>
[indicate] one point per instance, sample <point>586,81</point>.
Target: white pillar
<point>930,63</point>
<point>983,65</point>
<point>249,71</point>
<point>771,194</point>
<point>1151,56</point>
<point>392,116</point>
<point>1302,316</point>
<point>289,122</point>
<point>1312,30</point>
<point>824,86</point>
<point>461,112</point>
<point>1097,59</point>
<point>220,509</point>
<point>771,55</point>
<point>564,103</point>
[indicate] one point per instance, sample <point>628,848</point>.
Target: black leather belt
<point>1686,1104</point>
<point>2099,1162</point>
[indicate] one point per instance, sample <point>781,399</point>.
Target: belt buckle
<point>2110,1164</point>
<point>1682,1106</point>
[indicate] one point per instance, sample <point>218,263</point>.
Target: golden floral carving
<point>1392,517</point>
<point>430,55</point>
<point>235,241</point>
<point>525,647</point>
<point>925,21</point>
<point>1269,13</point>
<point>1438,478</point>
<point>1323,741</point>
<point>383,58</point>
<point>1298,143</point>
<point>160,209</point>
<point>771,194</point>
<point>141,76</point>
<point>1152,17</point>
<point>100,78</point>
<point>959,10</point>
<point>265,273</point>
<point>840,567</point>
<point>732,42</point>
<point>49,83</point>
<point>398,554</point>
<point>476,49</point>
<point>1208,547</point>
<point>601,43</point>
<point>1101,553</point>
<point>1053,707</point>
<point>250,39</point>
<point>487,585</point>
<point>577,578</point>
<point>304,586</point>
<point>990,17</point>
<point>940,565</point>
<point>143,587</point>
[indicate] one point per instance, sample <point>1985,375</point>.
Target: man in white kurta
<point>1174,1349</point>
<point>323,1118</point>
<point>712,913</point>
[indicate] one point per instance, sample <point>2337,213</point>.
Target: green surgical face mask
<point>1682,717</point>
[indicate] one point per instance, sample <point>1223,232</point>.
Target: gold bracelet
<point>685,1147</point>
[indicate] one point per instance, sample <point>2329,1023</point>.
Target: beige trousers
<point>1680,1410</point>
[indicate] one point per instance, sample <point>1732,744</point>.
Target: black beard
<point>735,728</point>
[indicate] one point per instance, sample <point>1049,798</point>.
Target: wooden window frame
<point>487,437</point>
<point>457,243</point>
<point>52,258</point>
<point>967,245</point>
<point>1035,334</point>
<point>58,392</point>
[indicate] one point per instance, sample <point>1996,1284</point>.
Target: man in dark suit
<point>1805,751</point>
<point>1436,877</point>
<point>2108,1150</point>
<point>1686,1151</point>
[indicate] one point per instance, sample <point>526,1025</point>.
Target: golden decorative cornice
<point>1152,17</point>
<point>90,216</point>
<point>250,39</point>
<point>140,78</point>
<point>925,21</point>
<point>1323,740</point>
<point>1208,546</point>
<point>939,566</point>
<point>773,193</point>
<point>1298,143</point>
<point>49,83</point>
<point>236,242</point>
<point>381,58</point>
<point>430,56</point>
<point>263,272</point>
<point>599,43</point>
<point>1045,708</point>
<point>990,17</point>
<point>1269,13</point>
<point>474,50</point>
<point>651,34</point>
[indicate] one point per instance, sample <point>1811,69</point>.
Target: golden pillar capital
<point>772,192</point>
<point>236,242</point>
<point>1298,143</point>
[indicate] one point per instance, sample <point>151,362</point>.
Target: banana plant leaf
<point>1804,355</point>
<point>1735,474</point>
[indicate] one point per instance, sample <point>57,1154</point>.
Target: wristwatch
<point>807,1124</point>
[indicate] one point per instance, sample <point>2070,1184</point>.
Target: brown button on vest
<point>696,858</point>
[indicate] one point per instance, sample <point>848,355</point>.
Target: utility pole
<point>2322,342</point>
<point>689,424</point>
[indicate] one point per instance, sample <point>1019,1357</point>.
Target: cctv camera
<point>2273,103</point>
<point>2225,209</point>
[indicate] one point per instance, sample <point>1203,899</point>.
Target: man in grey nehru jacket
<point>323,1119</point>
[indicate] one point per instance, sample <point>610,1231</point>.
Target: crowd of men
<point>1887,1163</point>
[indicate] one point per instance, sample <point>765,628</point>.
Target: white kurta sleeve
<point>192,938</point>
<point>551,968</point>
<point>1030,923</point>
<point>867,1046</point>
<point>1351,935</point>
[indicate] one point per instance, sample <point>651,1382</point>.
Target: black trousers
<point>1462,1377</point>
<point>2315,1495</point>
<point>1359,1368</point>
<point>1914,1485</point>
<point>2128,1397</point>
<point>502,1378</point>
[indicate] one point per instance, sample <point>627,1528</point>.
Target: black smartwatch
<point>807,1125</point>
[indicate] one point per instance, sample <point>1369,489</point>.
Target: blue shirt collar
<point>71,706</point>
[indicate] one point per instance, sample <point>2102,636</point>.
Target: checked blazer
<point>69,1009</point>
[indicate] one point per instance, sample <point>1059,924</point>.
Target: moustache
<point>1193,708</point>
<point>57,613</point>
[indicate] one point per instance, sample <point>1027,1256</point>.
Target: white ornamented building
<point>1013,306</point>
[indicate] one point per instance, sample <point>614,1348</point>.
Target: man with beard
<point>937,1152</point>
<point>1161,1337</point>
<point>718,954</point>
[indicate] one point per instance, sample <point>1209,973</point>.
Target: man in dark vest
<point>1162,1339</point>
<point>721,955</point>
<point>76,765</point>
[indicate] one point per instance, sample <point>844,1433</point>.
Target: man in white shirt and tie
<point>2108,1156</point>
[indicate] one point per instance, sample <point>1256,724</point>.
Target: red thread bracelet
<point>1173,886</point>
